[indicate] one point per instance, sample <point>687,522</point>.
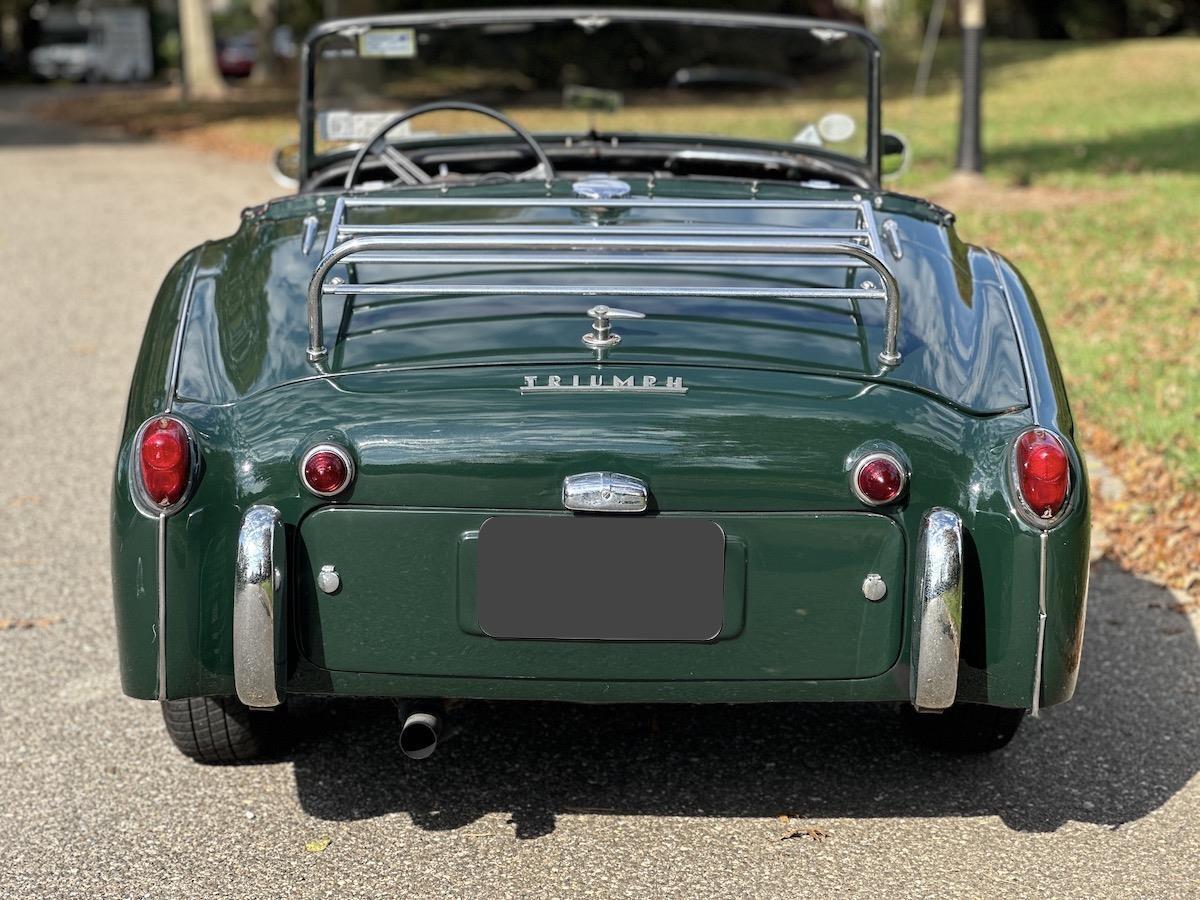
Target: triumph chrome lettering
<point>600,384</point>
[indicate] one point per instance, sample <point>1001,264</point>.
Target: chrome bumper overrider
<point>937,611</point>
<point>258,635</point>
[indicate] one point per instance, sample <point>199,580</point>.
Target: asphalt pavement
<point>1099,798</point>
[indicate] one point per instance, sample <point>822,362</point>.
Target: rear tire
<point>964,727</point>
<point>222,731</point>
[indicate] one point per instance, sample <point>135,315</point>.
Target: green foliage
<point>1093,179</point>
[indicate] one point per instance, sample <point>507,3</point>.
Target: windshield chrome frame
<point>460,18</point>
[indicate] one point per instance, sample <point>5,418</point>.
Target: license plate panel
<point>600,578</point>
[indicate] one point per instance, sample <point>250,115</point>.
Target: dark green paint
<point>758,444</point>
<point>397,611</point>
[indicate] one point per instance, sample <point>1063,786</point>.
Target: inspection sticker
<point>344,125</point>
<point>388,43</point>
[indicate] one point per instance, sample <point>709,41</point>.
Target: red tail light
<point>878,478</point>
<point>1042,473</point>
<point>165,456</point>
<point>326,470</point>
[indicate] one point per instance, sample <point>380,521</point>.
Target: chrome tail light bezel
<point>137,486</point>
<point>1017,497</point>
<point>338,451</point>
<point>868,455</point>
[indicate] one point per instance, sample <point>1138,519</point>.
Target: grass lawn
<point>1093,189</point>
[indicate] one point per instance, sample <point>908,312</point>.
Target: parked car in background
<point>648,404</point>
<point>236,55</point>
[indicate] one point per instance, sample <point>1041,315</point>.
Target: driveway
<point>1099,798</point>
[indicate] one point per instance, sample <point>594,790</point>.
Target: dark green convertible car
<point>591,362</point>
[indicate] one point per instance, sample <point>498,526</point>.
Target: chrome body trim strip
<point>1043,555</point>
<point>162,607</point>
<point>1021,348</point>
<point>185,307</point>
<point>1035,707</point>
<point>609,492</point>
<point>937,611</point>
<point>258,608</point>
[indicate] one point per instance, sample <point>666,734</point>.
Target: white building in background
<point>93,43</point>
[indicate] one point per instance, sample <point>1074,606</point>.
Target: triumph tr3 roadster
<point>591,361</point>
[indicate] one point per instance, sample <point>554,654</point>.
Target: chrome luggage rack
<point>596,244</point>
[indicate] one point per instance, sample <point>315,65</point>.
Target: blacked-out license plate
<point>600,578</point>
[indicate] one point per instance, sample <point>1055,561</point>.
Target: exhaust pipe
<point>420,732</point>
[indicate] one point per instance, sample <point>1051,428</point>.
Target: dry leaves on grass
<point>1153,524</point>
<point>20,624</point>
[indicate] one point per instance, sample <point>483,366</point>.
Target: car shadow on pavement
<point>1122,748</point>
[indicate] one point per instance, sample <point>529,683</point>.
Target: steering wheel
<point>408,171</point>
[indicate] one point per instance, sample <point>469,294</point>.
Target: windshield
<point>799,85</point>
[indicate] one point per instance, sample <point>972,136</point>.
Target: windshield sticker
<point>344,125</point>
<point>808,135</point>
<point>388,43</point>
<point>836,127</point>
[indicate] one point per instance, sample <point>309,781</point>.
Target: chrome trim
<point>601,337</point>
<point>340,452</point>
<point>870,457</point>
<point>1017,500</point>
<point>602,247</point>
<point>874,588</point>
<point>891,236</point>
<point>162,608</point>
<point>258,607</point>
<point>633,384</point>
<point>683,230</point>
<point>601,187</point>
<point>1035,708</point>
<point>309,235</point>
<point>137,488</point>
<point>937,611</point>
<point>575,290</point>
<point>185,308</point>
<point>1021,348</point>
<point>609,492</point>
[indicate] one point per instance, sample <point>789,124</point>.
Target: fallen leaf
<point>25,624</point>
<point>317,846</point>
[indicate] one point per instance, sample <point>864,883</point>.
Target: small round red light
<point>165,458</point>
<point>879,480</point>
<point>1043,472</point>
<point>326,472</point>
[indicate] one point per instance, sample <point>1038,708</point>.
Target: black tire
<point>965,727</point>
<point>222,731</point>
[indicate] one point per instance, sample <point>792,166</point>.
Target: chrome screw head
<point>328,580</point>
<point>874,588</point>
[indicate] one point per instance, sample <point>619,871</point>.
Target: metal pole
<point>970,149</point>
<point>932,29</point>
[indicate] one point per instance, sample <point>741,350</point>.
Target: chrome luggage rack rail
<point>595,244</point>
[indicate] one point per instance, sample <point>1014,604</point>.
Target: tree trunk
<point>266,18</point>
<point>201,78</point>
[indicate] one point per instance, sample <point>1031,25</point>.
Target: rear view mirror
<point>285,166</point>
<point>894,156</point>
